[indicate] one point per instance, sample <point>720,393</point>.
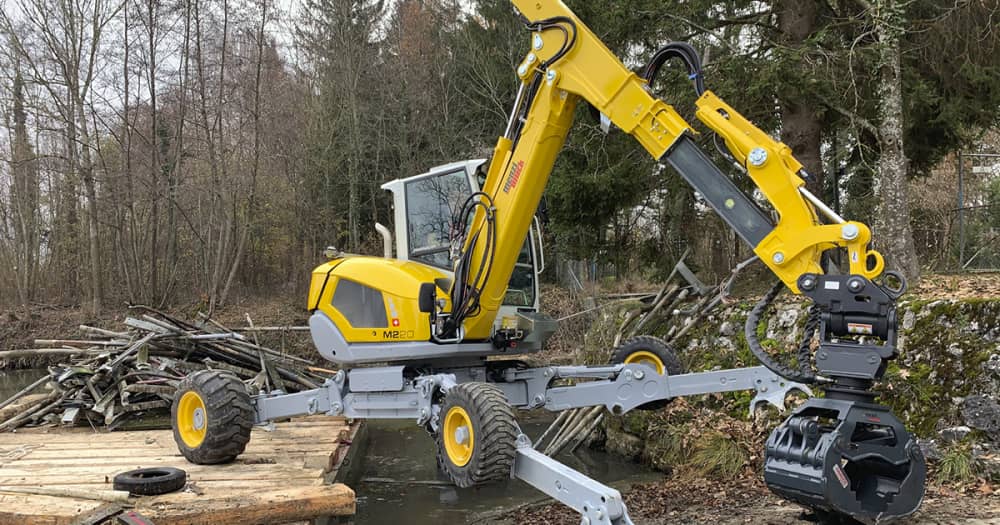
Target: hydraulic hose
<point>805,373</point>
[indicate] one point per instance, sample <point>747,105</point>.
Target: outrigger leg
<point>469,411</point>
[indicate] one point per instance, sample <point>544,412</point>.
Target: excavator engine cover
<point>847,457</point>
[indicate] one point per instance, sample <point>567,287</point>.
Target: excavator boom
<point>568,64</point>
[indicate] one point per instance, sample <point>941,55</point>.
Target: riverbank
<point>705,501</point>
<point>945,384</point>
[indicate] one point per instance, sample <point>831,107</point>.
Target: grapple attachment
<point>846,457</point>
<point>844,454</point>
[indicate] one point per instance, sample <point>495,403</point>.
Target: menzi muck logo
<point>515,175</point>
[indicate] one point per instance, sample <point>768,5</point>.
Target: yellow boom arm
<point>567,63</point>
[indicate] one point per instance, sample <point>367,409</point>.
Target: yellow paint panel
<point>399,283</point>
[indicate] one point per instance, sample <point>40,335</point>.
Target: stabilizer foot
<point>597,503</point>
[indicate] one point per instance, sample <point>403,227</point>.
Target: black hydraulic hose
<point>805,345</point>
<point>466,299</point>
<point>554,23</point>
<point>805,373</point>
<point>687,54</point>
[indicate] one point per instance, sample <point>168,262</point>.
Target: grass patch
<point>956,465</point>
<point>668,449</point>
<point>717,454</point>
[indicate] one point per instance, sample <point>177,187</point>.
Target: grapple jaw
<point>846,457</point>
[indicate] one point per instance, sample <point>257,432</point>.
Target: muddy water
<point>12,381</point>
<point>399,451</point>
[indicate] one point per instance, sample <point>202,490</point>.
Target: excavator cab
<point>424,211</point>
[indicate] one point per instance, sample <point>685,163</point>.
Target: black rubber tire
<point>151,481</point>
<point>658,347</point>
<point>229,414</point>
<point>495,431</point>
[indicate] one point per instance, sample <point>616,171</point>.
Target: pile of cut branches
<point>113,377</point>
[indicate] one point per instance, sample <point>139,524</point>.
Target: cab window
<point>521,289</point>
<point>430,205</point>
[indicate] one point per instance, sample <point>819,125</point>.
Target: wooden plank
<point>278,479</point>
<point>82,452</point>
<point>79,469</point>
<point>22,509</point>
<point>284,479</point>
<point>147,438</point>
<point>8,411</point>
<point>293,430</point>
<point>90,493</point>
<point>291,459</point>
<point>265,507</point>
<point>211,488</point>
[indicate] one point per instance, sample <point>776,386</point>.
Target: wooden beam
<point>277,506</point>
<point>75,493</point>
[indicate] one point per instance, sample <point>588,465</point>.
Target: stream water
<point>400,452</point>
<point>12,381</point>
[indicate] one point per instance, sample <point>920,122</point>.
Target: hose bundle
<point>805,373</point>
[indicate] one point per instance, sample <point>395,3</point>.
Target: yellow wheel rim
<point>458,437</point>
<point>192,419</point>
<point>643,357</point>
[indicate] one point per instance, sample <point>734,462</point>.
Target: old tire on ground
<point>652,352</point>
<point>477,439</point>
<point>211,417</point>
<point>151,481</point>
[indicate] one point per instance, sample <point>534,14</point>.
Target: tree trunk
<point>893,226</point>
<point>255,168</point>
<point>24,200</point>
<point>93,226</point>
<point>800,123</point>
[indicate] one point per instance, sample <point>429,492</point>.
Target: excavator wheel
<point>211,417</point>
<point>652,352</point>
<point>476,442</point>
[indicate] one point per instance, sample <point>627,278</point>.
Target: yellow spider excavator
<point>428,341</point>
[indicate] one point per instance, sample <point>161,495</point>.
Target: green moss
<point>929,374</point>
<point>919,386</point>
<point>635,422</point>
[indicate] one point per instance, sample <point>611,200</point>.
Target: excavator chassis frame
<point>393,392</point>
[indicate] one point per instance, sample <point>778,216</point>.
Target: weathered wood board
<point>280,478</point>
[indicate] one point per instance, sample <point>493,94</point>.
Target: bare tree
<point>23,198</point>
<point>64,37</point>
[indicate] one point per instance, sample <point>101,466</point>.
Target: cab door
<point>424,208</point>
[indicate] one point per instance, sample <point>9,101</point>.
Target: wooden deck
<point>283,476</point>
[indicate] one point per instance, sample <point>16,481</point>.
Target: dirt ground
<point>702,501</point>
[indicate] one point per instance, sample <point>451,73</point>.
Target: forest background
<point>172,152</point>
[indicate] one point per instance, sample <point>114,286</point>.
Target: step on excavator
<point>433,334</point>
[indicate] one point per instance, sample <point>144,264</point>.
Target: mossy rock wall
<point>949,354</point>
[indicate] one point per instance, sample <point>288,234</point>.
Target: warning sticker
<point>841,477</point>
<point>859,328</point>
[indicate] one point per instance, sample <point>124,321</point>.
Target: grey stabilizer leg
<point>597,503</point>
<point>622,388</point>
